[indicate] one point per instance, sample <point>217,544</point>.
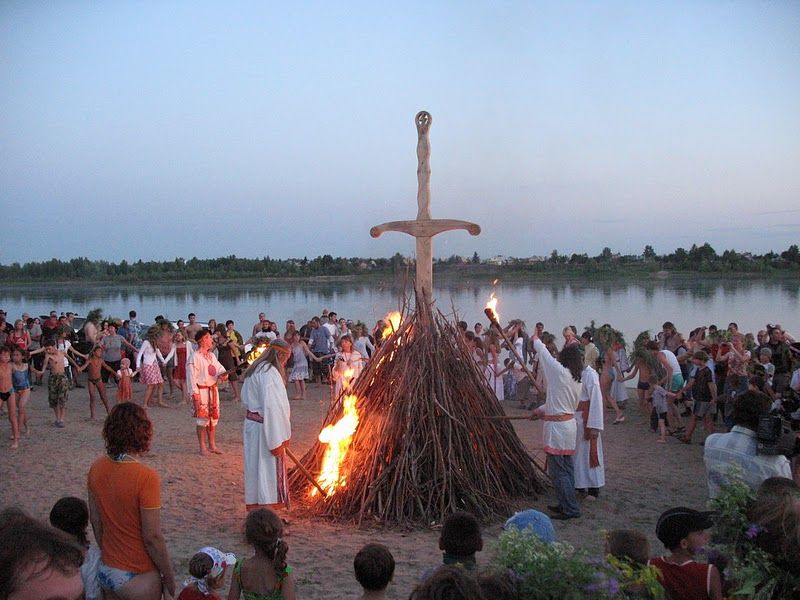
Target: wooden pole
<point>305,472</point>
<point>508,418</point>
<point>513,349</point>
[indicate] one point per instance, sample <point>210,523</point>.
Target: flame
<point>338,437</point>
<point>393,320</point>
<point>492,305</point>
<point>255,352</point>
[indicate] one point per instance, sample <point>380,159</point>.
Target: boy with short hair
<point>374,569</point>
<point>57,383</point>
<point>683,531</point>
<point>460,540</point>
<point>704,395</point>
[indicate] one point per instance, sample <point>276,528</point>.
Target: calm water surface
<point>628,305</point>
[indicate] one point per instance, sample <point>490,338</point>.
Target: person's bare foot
<point>164,405</point>
<point>14,443</point>
<point>215,450</point>
<point>204,452</point>
<point>661,440</point>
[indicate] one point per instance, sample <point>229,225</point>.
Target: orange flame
<point>393,320</point>
<point>338,437</point>
<point>255,352</point>
<point>492,305</point>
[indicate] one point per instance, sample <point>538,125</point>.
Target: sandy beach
<point>202,498</point>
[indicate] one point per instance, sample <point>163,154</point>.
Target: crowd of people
<point>130,561</point>
<point>726,379</point>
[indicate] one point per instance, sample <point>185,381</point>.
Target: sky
<point>155,130</point>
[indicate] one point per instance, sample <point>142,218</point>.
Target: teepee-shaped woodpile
<point>423,446</point>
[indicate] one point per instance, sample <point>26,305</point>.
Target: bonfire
<point>416,436</point>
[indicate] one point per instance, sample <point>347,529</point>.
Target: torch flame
<point>256,352</point>
<point>492,306</point>
<point>338,437</point>
<point>393,320</point>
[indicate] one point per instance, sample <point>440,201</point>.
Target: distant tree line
<point>703,259</point>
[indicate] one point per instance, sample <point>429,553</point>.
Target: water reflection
<point>632,305</point>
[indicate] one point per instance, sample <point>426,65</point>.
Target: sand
<point>202,497</point>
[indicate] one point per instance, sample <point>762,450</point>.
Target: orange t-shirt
<point>121,489</point>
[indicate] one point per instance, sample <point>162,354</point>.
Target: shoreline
<point>448,275</point>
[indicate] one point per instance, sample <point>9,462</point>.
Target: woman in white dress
<point>347,365</point>
<point>267,429</point>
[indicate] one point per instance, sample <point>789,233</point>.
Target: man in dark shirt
<point>704,394</point>
<point>320,345</point>
<point>781,358</point>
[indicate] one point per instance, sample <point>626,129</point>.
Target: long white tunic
<point>585,475</point>
<point>264,393</point>
<point>562,399</point>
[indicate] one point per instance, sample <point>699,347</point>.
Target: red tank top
<point>688,581</point>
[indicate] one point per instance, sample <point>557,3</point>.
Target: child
<point>299,373</point>
<point>206,574</point>
<point>629,545</point>
<point>265,573</point>
<point>704,396</point>
<point>21,380</point>
<point>460,540</point>
<point>182,350</point>
<point>448,581</point>
<point>659,397</point>
<point>96,365</point>
<point>765,360</point>
<point>374,569</point>
<point>71,515</point>
<point>125,377</point>
<point>57,383</point>
<point>509,382</point>
<point>7,393</point>
<point>683,532</point>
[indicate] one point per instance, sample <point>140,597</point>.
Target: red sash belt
<point>212,411</point>
<point>594,456</point>
<point>561,417</point>
<point>254,416</point>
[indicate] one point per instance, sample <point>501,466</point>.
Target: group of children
<point>16,385</point>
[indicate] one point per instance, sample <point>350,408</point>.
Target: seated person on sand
<point>459,540</point>
<point>38,561</point>
<point>374,569</point>
<point>684,532</point>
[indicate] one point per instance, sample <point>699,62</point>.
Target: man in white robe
<point>267,430</point>
<point>589,468</point>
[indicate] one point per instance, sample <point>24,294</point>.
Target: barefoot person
<point>267,429</point>
<point>57,383</point>
<point>7,393</point>
<point>96,367</point>
<point>205,395</point>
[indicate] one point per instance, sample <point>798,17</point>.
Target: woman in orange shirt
<point>125,511</point>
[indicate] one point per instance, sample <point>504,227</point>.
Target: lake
<point>629,305</point>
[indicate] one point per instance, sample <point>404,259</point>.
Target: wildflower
<point>753,530</point>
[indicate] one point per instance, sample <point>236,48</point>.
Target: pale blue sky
<point>160,129</point>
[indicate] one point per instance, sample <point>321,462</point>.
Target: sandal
<point>619,419</point>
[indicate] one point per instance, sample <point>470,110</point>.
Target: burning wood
<point>420,443</point>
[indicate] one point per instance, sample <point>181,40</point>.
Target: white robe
<point>264,393</point>
<point>562,399</point>
<point>585,475</point>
